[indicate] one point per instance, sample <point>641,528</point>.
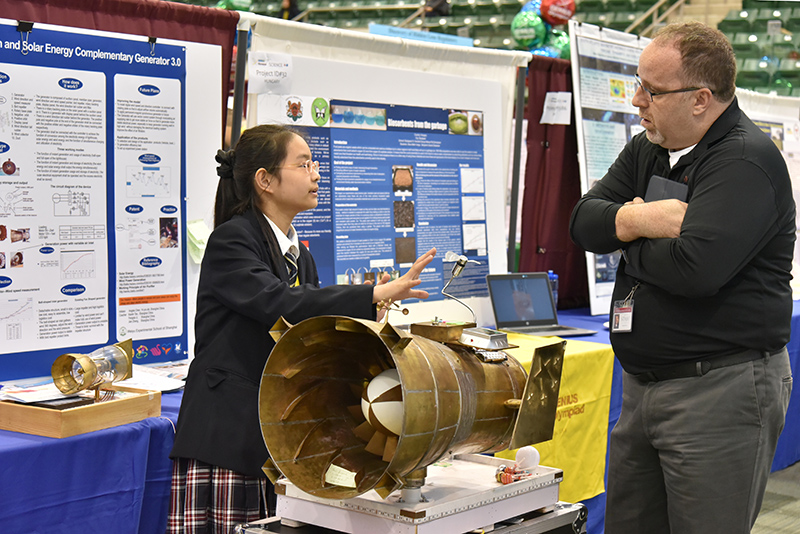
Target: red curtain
<point>552,188</point>
<point>150,18</point>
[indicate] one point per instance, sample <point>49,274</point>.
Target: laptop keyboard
<point>529,329</point>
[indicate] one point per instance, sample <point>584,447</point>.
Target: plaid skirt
<point>206,499</point>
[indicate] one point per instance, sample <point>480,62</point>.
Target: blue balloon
<point>547,51</point>
<point>533,5</point>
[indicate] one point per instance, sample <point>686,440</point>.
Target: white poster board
<point>435,116</point>
<point>93,133</point>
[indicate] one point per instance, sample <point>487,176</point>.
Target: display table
<point>115,480</point>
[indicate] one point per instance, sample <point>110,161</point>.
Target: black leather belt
<point>689,369</point>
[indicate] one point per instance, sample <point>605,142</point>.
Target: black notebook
<point>660,188</point>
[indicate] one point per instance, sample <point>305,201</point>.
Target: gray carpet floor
<point>780,512</point>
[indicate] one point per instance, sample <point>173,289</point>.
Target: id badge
<point>622,316</point>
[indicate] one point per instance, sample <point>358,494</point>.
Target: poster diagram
<point>10,201</point>
<point>71,204</point>
<point>148,182</point>
<point>141,233</point>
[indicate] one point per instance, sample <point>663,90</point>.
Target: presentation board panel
<point>603,66</point>
<point>413,153</point>
<point>93,211</point>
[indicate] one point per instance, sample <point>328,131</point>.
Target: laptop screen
<point>521,299</point>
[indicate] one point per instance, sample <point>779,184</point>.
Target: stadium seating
<point>754,73</point>
<point>736,21</point>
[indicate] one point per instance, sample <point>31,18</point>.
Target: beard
<point>654,136</point>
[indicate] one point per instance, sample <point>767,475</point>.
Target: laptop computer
<point>523,303</point>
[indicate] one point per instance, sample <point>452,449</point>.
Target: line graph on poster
<point>148,182</point>
<point>77,264</point>
<point>15,311</point>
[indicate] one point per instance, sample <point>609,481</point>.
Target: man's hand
<point>651,220</point>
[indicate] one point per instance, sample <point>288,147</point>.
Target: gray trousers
<point>692,455</point>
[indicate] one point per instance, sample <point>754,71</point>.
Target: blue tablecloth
<point>115,480</point>
<point>118,480</point>
<point>787,452</point>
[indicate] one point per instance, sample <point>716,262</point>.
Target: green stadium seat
<point>600,19</point>
<point>408,7</point>
<point>643,5</point>
<point>325,11</point>
<point>462,7</point>
<point>749,45</point>
<point>789,70</point>
<point>390,21</point>
<point>435,24</point>
<point>485,7</point>
<point>792,20</point>
<point>754,73</point>
<point>736,21</point>
<point>481,21</point>
<point>308,5</point>
<point>502,23</point>
<point>346,15</point>
<point>268,8</point>
<point>781,45</point>
<point>782,86</point>
<point>377,9</point>
<point>622,20</point>
<point>510,7</point>
<point>501,42</point>
<point>347,24</point>
<point>366,21</point>
<point>619,5</point>
<point>761,4</point>
<point>763,16</point>
<point>590,6</point>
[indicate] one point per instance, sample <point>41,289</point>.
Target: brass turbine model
<point>454,402</point>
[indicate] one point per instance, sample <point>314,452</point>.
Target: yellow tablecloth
<point>580,435</point>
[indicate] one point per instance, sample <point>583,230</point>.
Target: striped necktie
<point>291,265</point>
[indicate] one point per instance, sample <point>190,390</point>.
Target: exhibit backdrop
<point>413,141</point>
<point>98,132</point>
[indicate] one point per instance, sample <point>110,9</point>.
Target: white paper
<point>557,108</point>
<point>32,393</point>
<point>269,73</point>
<point>150,379</point>
<point>339,476</point>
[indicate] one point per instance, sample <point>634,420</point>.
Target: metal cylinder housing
<point>311,418</point>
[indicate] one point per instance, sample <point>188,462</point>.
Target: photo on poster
<point>169,232</point>
<point>403,179</point>
<point>404,215</point>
